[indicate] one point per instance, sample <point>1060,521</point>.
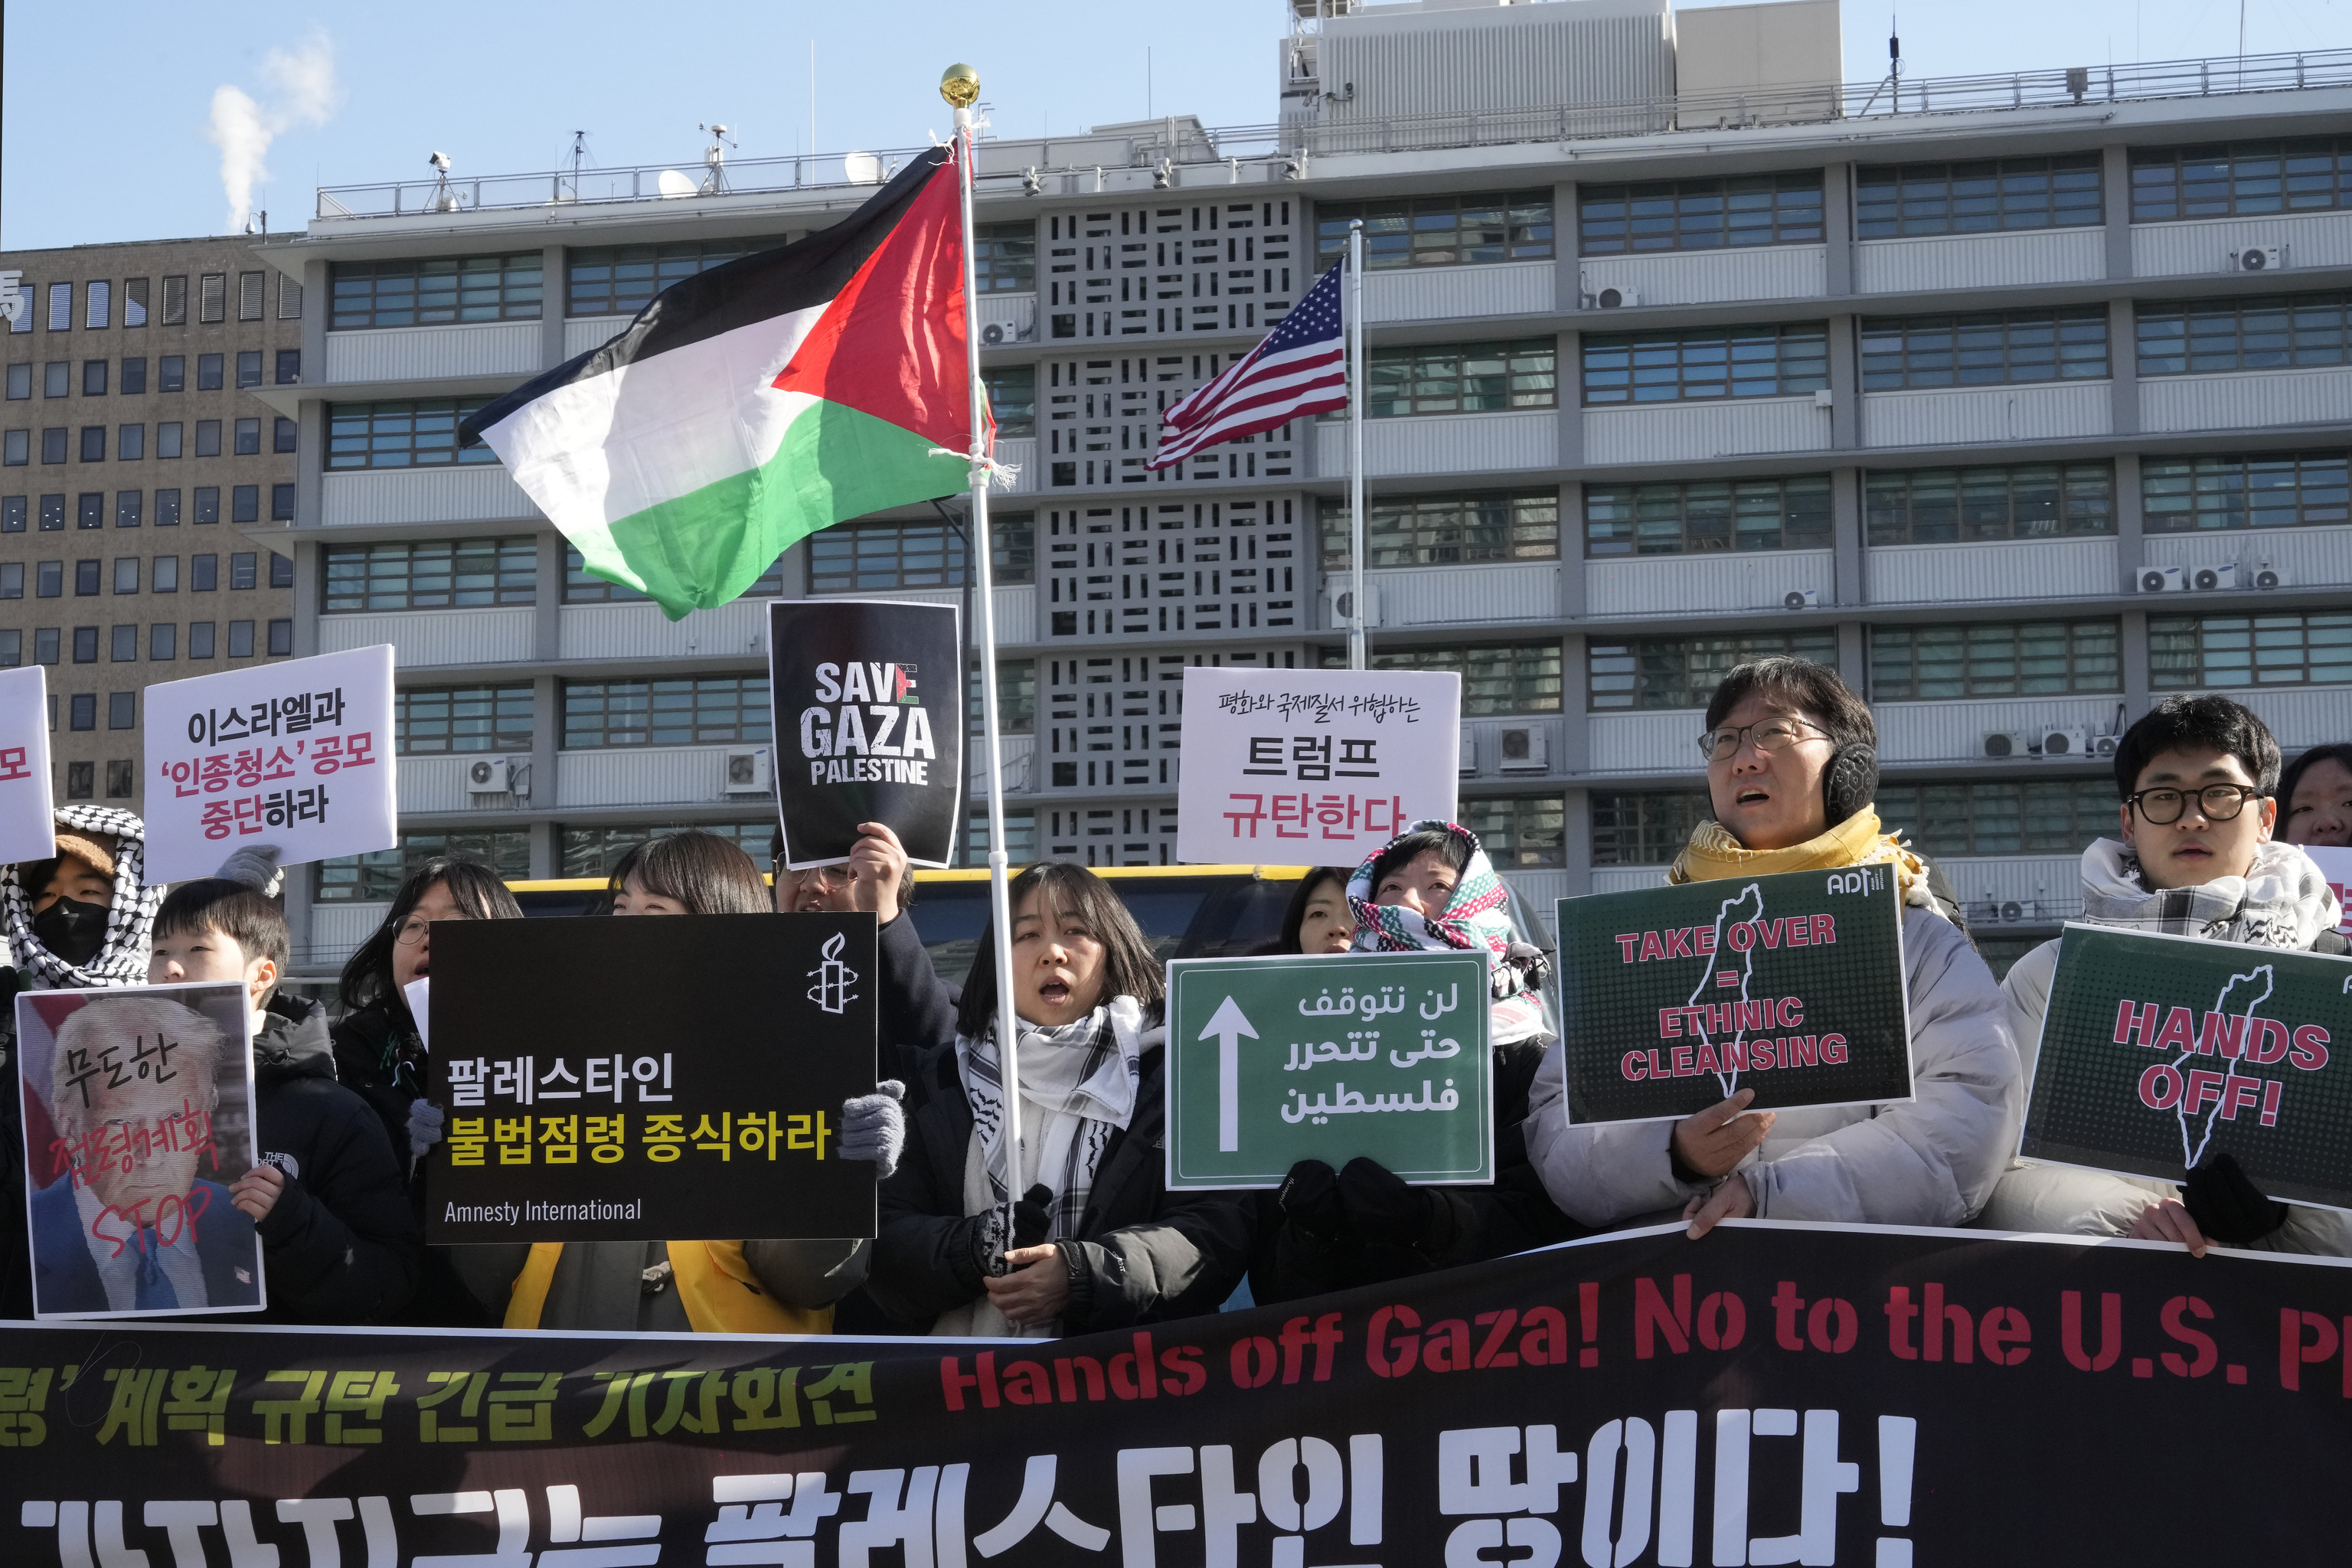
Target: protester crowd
<point>1072,1227</point>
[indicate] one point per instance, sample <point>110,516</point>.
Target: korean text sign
<point>1676,997</point>
<point>28,832</point>
<point>297,753</point>
<point>138,1113</point>
<point>650,1079</point>
<point>1275,1060</point>
<point>1312,767</point>
<point>2336,865</point>
<point>2158,1051</point>
<point>869,710</point>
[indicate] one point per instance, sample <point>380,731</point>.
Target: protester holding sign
<point>761,1285</point>
<point>2315,798</point>
<point>878,879</point>
<point>80,919</point>
<point>1431,890</point>
<point>2196,858</point>
<point>338,1236</point>
<point>1791,766</point>
<point>379,1052</point>
<point>1095,1240</point>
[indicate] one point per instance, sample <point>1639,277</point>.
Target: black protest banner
<point>869,705</point>
<point>1773,1393</point>
<point>1676,997</point>
<point>650,1079</point>
<point>2158,1051</point>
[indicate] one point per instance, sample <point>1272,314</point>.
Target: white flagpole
<point>961,88</point>
<point>1357,656</point>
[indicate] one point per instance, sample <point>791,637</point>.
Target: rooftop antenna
<point>443,199</point>
<point>1892,83</point>
<point>579,156</point>
<point>714,157</point>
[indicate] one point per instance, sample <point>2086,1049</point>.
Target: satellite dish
<point>672,183</point>
<point>861,168</point>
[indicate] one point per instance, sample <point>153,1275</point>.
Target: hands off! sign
<point>2158,1051</point>
<point>1312,767</point>
<point>1275,1060</point>
<point>1674,998</point>
<point>297,754</point>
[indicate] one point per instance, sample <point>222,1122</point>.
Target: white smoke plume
<point>300,90</point>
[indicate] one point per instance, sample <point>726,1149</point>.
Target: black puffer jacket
<point>342,1243</point>
<point>1143,1252</point>
<point>1466,1224</point>
<point>378,1058</point>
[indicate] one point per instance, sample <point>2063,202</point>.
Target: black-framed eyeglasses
<point>1771,735</point>
<point>2215,803</point>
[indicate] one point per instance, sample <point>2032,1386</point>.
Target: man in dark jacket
<point>339,1242</point>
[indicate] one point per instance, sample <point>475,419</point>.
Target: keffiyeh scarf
<point>1477,918</point>
<point>1712,853</point>
<point>1078,1086</point>
<point>2283,901</point>
<point>130,922</point>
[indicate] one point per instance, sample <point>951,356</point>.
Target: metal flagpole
<point>961,86</point>
<point>1356,658</point>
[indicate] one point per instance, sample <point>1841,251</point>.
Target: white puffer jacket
<point>1930,1162</point>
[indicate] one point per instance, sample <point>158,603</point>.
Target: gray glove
<point>254,865</point>
<point>424,1127</point>
<point>872,1127</point>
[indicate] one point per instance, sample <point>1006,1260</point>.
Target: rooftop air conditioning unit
<point>487,776</point>
<point>2065,743</point>
<point>1339,602</point>
<point>1801,599</point>
<point>2162,579</point>
<point>1466,763</point>
<point>1615,297</point>
<point>2104,747</point>
<point>2269,576</point>
<point>2258,259</point>
<point>2216,579</point>
<point>746,771</point>
<point>2007,744</point>
<point>2012,911</point>
<point>1525,751</point>
<point>992,335</point>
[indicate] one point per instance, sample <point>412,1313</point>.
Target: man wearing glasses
<point>1792,770</point>
<point>2198,778</point>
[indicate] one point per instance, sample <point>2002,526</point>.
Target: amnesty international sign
<point>2158,1051</point>
<point>1275,1060</point>
<point>1792,985</point>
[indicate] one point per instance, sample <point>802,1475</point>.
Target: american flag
<point>1300,368</point>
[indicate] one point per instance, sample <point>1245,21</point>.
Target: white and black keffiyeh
<point>1078,1086</point>
<point>130,922</point>
<point>2283,901</point>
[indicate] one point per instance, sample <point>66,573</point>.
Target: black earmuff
<point>1850,781</point>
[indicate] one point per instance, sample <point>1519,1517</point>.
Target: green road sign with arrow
<point>1275,1060</point>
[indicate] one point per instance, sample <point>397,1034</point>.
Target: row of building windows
<point>580,852</point>
<point>100,295</point>
<point>121,772</point>
<point>58,444</point>
<point>163,574</point>
<point>131,510</point>
<point>1988,659</point>
<point>435,291</point>
<point>56,375</point>
<point>50,644</point>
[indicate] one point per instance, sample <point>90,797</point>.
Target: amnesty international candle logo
<point>2157,1052</point>
<point>834,978</point>
<point>1792,985</point>
<point>869,726</point>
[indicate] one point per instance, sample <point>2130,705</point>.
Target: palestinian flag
<point>754,404</point>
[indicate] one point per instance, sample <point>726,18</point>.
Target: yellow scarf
<point>1712,853</point>
<point>720,1293</point>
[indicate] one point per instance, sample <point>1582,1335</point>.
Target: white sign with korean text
<point>298,755</point>
<point>28,832</point>
<point>1312,767</point>
<point>2334,864</point>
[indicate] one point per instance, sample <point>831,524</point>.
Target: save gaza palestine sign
<point>2159,1051</point>
<point>1676,997</point>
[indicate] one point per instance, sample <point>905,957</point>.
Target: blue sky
<point>109,140</point>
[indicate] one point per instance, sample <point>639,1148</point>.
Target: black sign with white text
<point>650,1079</point>
<point>869,704</point>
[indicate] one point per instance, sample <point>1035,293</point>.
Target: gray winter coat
<point>1929,1161</point>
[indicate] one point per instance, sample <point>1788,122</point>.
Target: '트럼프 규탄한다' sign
<point>1674,998</point>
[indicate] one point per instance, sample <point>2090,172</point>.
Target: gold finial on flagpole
<point>960,85</point>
